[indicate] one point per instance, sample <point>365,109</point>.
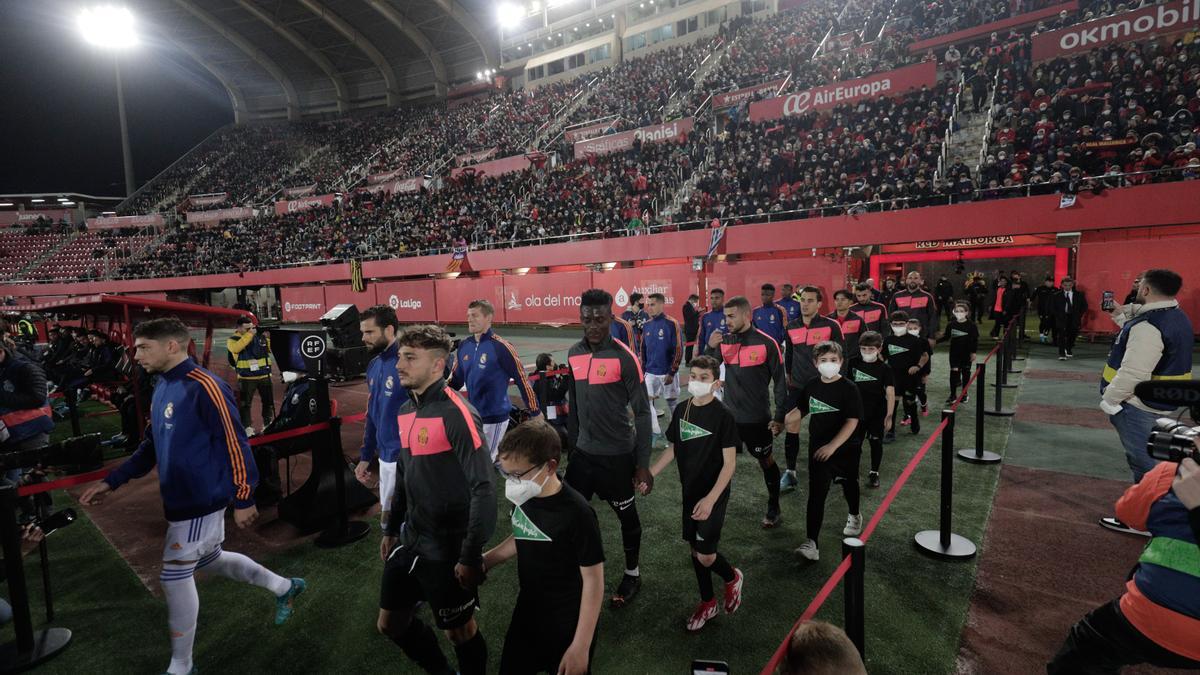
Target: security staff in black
<point>810,330</point>
<point>753,369</point>
<point>443,512</point>
<point>609,428</point>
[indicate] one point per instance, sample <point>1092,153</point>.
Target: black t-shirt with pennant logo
<point>828,405</point>
<point>904,351</point>
<point>699,433</point>
<point>555,535</point>
<point>872,380</point>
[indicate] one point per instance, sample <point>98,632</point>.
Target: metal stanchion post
<point>853,591</point>
<point>978,455</point>
<point>1014,345</point>
<point>942,543</point>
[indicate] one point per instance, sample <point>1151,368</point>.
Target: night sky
<point>58,104</point>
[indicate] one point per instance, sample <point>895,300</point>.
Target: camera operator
<point>25,417</point>
<point>1157,620</point>
<point>1155,343</point>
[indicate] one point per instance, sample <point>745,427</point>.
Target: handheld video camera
<point>1171,440</point>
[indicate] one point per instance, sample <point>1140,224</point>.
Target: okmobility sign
<point>1159,20</point>
<point>656,133</point>
<point>889,83</point>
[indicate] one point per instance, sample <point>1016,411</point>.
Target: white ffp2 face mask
<point>520,490</point>
<point>961,316</point>
<point>828,369</point>
<point>899,330</point>
<point>915,332</point>
<point>869,357</point>
<point>697,388</point>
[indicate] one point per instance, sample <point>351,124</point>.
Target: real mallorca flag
<point>458,256</point>
<point>356,277</point>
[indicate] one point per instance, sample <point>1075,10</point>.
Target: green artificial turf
<point>915,606</point>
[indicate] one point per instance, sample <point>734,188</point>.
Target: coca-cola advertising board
<point>676,131</point>
<point>735,97</point>
<point>889,83</point>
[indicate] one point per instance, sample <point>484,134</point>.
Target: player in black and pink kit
<point>835,411</point>
<point>703,437</point>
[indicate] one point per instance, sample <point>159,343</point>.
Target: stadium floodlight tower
<point>508,15</point>
<point>113,29</point>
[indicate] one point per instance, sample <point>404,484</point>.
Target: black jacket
<point>691,322</point>
<point>753,369</point>
<point>801,339</point>
<point>1043,299</point>
<point>919,305</point>
<point>1069,315</point>
<point>610,410</point>
<point>444,497</point>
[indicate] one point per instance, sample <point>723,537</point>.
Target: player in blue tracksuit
<point>713,321</point>
<point>791,306</point>
<point>662,350</point>
<point>635,316</point>
<point>385,396</point>
<point>622,330</point>
<point>485,363</point>
<point>770,318</point>
<point>199,445</point>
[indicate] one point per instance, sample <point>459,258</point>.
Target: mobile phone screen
<point>1106,301</point>
<point>700,667</point>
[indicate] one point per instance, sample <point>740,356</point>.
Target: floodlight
<point>108,27</point>
<point>509,14</point>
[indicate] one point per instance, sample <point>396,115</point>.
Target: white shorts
<point>194,538</point>
<point>387,484</point>
<point>657,387</point>
<point>494,432</point>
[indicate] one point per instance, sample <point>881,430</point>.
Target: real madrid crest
<point>483,358</point>
<point>169,412</point>
<point>389,383</point>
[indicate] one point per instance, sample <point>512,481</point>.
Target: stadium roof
<point>286,58</point>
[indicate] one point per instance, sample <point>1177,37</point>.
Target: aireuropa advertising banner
<point>496,167</point>
<point>113,222</point>
<point>302,303</point>
<point>1157,20</point>
<point>412,300</point>
<point>676,282</point>
<point>889,83</point>
<point>735,97</point>
<point>294,205</point>
<point>655,133</point>
<point>217,215</point>
<point>544,298</point>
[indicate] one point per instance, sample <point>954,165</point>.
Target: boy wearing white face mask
<point>963,335</point>
<point>907,355</point>
<point>835,410</point>
<point>704,436</point>
<point>876,384</point>
<point>560,558</point>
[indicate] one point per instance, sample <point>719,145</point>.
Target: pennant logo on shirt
<point>896,349</point>
<point>690,432</point>
<point>860,376</point>
<point>523,527</point>
<point>954,332</point>
<point>817,406</point>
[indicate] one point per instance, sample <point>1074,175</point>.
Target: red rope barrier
<point>68,481</point>
<point>290,433</point>
<point>839,573</point>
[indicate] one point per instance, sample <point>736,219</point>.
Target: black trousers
<point>1001,321</point>
<point>1104,641</point>
<point>1064,337</point>
<point>266,395</point>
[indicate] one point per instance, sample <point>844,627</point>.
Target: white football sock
<point>183,606</point>
<point>241,568</point>
<point>654,417</point>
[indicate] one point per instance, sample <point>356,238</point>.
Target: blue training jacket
<point>197,440</point>
<point>771,319</point>
<point>709,323</point>
<point>384,398</point>
<point>485,365</point>
<point>662,345</point>
<point>791,308</point>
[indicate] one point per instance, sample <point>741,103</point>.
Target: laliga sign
<point>407,303</point>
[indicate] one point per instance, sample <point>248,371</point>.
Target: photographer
<point>1157,620</point>
<point>1155,343</point>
